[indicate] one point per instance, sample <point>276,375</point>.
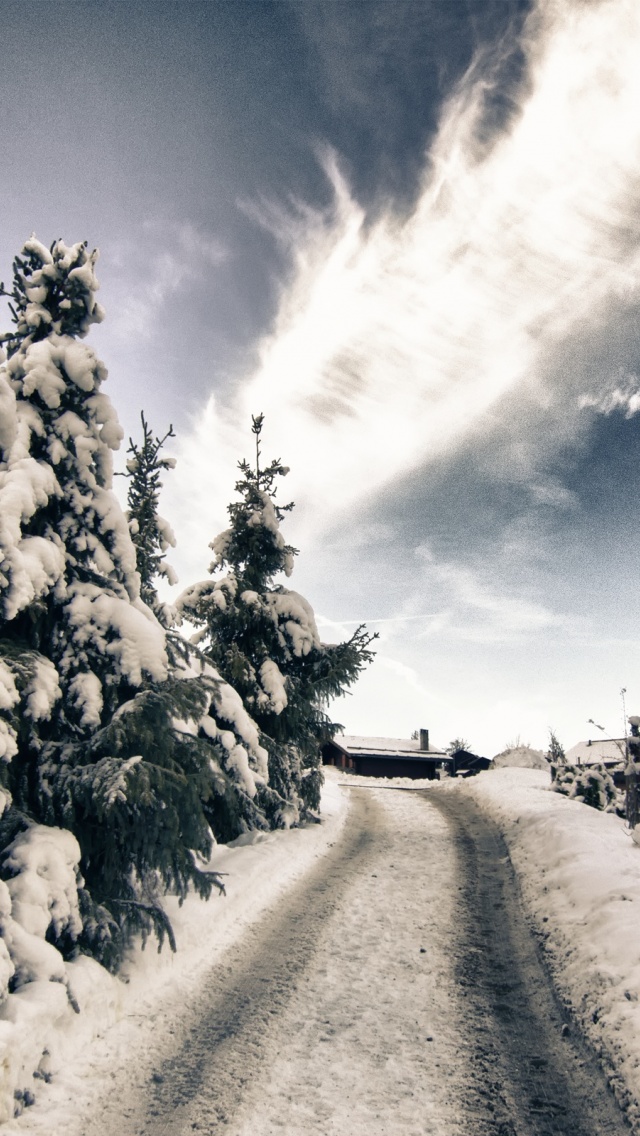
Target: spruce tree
<point>555,753</point>
<point>151,534</point>
<point>99,735</point>
<point>263,638</point>
<point>233,809</point>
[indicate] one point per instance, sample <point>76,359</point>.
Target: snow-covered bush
<point>263,639</point>
<point>100,734</point>
<point>592,785</point>
<point>39,899</point>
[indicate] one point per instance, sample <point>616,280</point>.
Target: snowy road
<point>396,991</point>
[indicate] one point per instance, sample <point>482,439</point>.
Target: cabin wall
<point>333,755</point>
<point>370,766</point>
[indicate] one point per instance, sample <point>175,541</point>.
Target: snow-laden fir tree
<point>263,638</point>
<point>100,740</point>
<point>151,534</point>
<point>555,753</point>
<point>234,807</point>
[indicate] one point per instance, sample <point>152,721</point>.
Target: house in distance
<point>609,752</point>
<point>399,757</point>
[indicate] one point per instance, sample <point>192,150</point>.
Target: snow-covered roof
<point>386,747</point>
<point>595,751</point>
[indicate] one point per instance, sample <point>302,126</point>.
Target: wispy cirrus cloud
<point>480,609</point>
<point>144,278</point>
<point>394,340</point>
<point>623,396</point>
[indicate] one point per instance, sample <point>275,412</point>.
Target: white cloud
<point>393,341</point>
<point>479,610</point>
<point>168,255</point>
<point>344,627</point>
<point>139,308</point>
<point>551,493</point>
<point>623,397</point>
<point>197,244</point>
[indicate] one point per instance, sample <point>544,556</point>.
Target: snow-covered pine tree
<point>97,736</point>
<point>151,534</point>
<point>263,638</point>
<point>233,808</point>
<point>555,753</point>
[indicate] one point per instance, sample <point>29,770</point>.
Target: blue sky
<point>408,233</point>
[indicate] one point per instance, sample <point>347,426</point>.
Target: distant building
<point>598,751</point>
<point>398,757</point>
<point>466,763</point>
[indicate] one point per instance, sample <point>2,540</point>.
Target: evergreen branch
<point>256,428</point>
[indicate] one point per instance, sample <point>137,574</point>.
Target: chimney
<point>424,740</point>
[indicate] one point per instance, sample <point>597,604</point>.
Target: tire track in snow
<point>357,1034</point>
<point>392,992</point>
<point>527,1055</point>
<point>222,1040</point>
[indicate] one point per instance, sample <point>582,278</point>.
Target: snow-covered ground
<point>580,878</point>
<point>579,871</point>
<point>132,1013</point>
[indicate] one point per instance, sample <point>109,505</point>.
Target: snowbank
<point>579,872</point>
<point>521,757</point>
<point>59,1055</point>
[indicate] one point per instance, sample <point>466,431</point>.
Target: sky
<point>407,231</point>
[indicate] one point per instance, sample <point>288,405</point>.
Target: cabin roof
<point>595,751</point>
<point>385,747</point>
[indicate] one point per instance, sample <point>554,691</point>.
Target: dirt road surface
<point>396,991</point>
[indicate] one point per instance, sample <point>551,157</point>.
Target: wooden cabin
<point>398,757</point>
<point>610,753</point>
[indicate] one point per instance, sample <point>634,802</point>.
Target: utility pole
<point>623,691</point>
<point>631,772</point>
